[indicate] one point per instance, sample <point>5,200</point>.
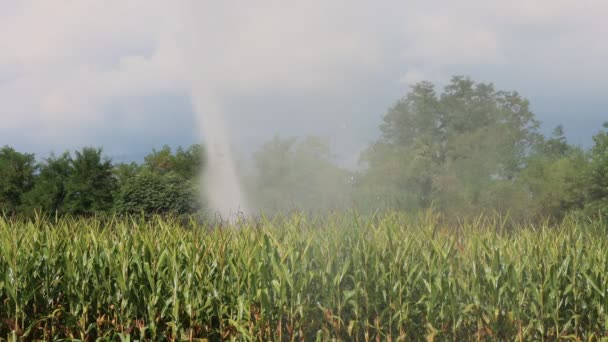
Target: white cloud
<point>62,62</point>
<point>273,43</point>
<point>67,59</point>
<point>562,39</point>
<point>70,58</point>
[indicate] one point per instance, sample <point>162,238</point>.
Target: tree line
<point>87,183</point>
<point>464,149</point>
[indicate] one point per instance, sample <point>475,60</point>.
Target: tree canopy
<point>452,149</point>
<point>463,149</point>
<point>91,185</point>
<point>152,193</point>
<point>16,177</point>
<point>49,191</point>
<point>597,179</point>
<point>293,174</point>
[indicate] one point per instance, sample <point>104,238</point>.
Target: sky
<point>118,74</point>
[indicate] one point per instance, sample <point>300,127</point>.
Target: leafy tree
<point>597,180</point>
<point>49,191</point>
<point>91,184</point>
<point>298,175</point>
<point>16,177</point>
<point>153,193</point>
<point>125,171</point>
<point>165,183</point>
<point>187,163</point>
<point>453,150</point>
<point>160,161</point>
<point>557,145</point>
<point>554,177</point>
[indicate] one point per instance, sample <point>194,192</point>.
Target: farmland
<point>342,276</point>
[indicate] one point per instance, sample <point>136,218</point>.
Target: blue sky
<point>120,74</point>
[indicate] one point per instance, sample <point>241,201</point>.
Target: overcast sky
<point>116,73</point>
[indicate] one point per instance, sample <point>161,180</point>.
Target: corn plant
<point>385,277</point>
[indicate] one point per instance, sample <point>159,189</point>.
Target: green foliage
<point>298,175</point>
<point>16,177</point>
<point>186,163</point>
<point>189,162</point>
<point>49,191</point>
<point>388,278</point>
<point>123,172</point>
<point>555,177</point>
<point>164,184</point>
<point>464,150</point>
<point>151,193</point>
<point>597,201</point>
<point>450,150</point>
<point>91,185</point>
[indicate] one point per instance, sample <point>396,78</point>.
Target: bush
<point>151,193</point>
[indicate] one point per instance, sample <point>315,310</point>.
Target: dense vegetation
<point>512,244</point>
<point>386,277</point>
<point>464,150</point>
<point>89,184</point>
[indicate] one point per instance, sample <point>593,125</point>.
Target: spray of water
<point>198,41</point>
<point>221,184</point>
<point>233,48</point>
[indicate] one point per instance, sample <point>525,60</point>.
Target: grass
<point>383,278</point>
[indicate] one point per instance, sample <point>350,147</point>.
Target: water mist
<point>221,184</point>
<point>236,48</point>
<point>202,51</point>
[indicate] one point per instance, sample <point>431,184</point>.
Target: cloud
<point>59,54</point>
<point>552,40</point>
<point>273,44</point>
<point>64,63</point>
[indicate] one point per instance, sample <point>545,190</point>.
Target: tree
<point>49,191</point>
<point>557,145</point>
<point>91,184</point>
<point>187,163</point>
<point>298,175</point>
<point>123,172</point>
<point>160,161</point>
<point>453,150</point>
<point>554,177</point>
<point>152,193</point>
<point>16,177</point>
<point>597,179</point>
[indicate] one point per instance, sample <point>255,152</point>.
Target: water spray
<point>221,183</point>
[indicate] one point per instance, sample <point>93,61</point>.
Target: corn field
<point>387,277</point>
